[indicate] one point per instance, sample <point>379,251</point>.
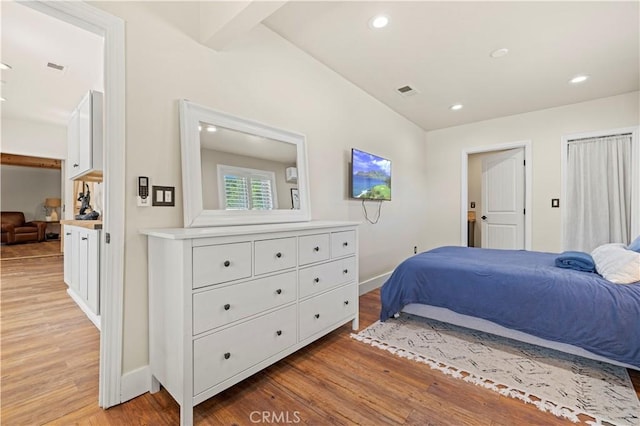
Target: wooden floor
<point>49,373</point>
<point>30,250</point>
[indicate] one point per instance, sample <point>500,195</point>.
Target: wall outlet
<point>473,204</point>
<point>415,249</point>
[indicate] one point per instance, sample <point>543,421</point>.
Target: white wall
<point>545,129</point>
<point>34,139</point>
<point>24,189</point>
<point>264,78</point>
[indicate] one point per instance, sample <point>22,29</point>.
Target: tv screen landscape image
<point>370,176</point>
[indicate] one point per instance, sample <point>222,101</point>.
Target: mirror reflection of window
<point>246,189</point>
<point>230,148</point>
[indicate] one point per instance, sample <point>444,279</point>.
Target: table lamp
<point>53,204</point>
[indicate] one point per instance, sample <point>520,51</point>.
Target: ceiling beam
<point>223,22</point>
<point>26,161</point>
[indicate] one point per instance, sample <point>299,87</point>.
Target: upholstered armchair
<point>16,230</point>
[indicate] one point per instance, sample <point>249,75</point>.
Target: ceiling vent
<point>407,91</point>
<point>55,66</point>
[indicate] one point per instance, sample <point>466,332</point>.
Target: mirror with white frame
<point>237,171</point>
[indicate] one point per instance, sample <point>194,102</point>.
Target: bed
<point>521,295</point>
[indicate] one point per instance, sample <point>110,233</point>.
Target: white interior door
<point>503,212</point>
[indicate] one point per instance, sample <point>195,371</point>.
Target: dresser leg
<point>355,324</point>
<point>186,415</point>
<point>155,385</point>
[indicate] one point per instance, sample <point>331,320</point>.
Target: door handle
<point>483,218</point>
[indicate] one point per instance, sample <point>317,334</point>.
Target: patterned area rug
<point>565,385</point>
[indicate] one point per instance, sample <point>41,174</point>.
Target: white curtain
<point>598,192</point>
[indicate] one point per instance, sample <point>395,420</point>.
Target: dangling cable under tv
<point>370,177</point>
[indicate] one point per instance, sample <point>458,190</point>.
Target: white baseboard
<point>135,383</point>
<point>95,319</point>
<point>373,283</point>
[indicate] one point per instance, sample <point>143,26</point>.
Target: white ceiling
<point>442,49</point>
<point>439,48</point>
<point>33,91</point>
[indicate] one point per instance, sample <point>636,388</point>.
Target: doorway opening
<point>469,168</point>
<point>110,27</point>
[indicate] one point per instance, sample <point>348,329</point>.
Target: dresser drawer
<point>343,243</point>
<point>224,305</point>
<point>325,310</point>
<point>226,353</point>
<point>318,278</point>
<point>221,263</point>
<point>275,255</point>
<point>313,248</point>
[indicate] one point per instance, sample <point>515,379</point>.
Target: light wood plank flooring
<point>27,250</point>
<point>49,373</point>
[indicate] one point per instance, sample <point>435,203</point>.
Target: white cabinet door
<point>93,270</point>
<point>84,137</point>
<point>73,160</point>
<point>75,259</point>
<point>85,134</point>
<point>68,254</point>
<point>83,259</point>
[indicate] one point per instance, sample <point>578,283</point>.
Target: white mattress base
<point>448,316</point>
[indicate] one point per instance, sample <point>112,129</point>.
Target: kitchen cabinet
<point>85,136</point>
<point>82,269</point>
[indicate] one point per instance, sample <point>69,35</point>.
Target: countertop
<point>91,224</point>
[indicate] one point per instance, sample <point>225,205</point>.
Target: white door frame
<point>111,28</point>
<point>635,173</point>
<point>464,186</point>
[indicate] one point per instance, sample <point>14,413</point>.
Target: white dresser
<point>227,302</point>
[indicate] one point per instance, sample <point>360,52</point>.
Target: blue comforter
<point>524,291</point>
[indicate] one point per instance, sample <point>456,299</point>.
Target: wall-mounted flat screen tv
<point>370,176</point>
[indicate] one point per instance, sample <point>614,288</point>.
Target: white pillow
<point>617,264</point>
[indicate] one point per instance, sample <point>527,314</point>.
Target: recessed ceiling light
<point>211,129</point>
<point>579,79</point>
<point>379,21</point>
<point>499,53</point>
<point>4,66</point>
<point>455,107</point>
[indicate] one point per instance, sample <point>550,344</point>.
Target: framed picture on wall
<point>295,199</point>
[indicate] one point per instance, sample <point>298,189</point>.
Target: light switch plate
<point>163,196</point>
<point>555,202</point>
